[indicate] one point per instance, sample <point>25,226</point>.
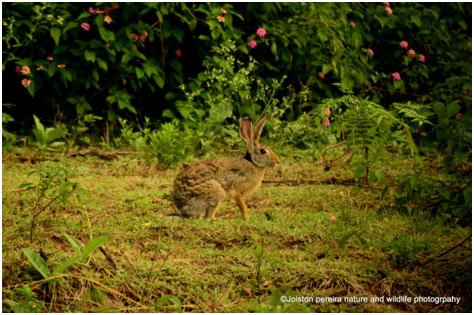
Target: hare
<point>200,187</point>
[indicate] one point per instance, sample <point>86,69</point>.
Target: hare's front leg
<point>242,206</point>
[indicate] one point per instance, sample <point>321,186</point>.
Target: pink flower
<point>326,111</point>
<point>396,76</point>
<point>107,19</point>
<point>85,26</point>
<point>221,19</point>
<point>252,44</point>
<point>326,123</point>
<point>458,116</point>
<point>411,53</point>
<point>387,4</point>
<point>25,82</point>
<point>404,44</point>
<point>92,11</point>
<point>332,219</point>
<point>370,52</point>
<point>421,58</point>
<point>388,10</point>
<point>261,32</point>
<point>24,70</point>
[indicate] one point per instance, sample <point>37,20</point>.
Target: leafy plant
<point>367,130</point>
<point>46,138</point>
<point>81,256</point>
<point>23,300</point>
<point>450,199</point>
<point>54,277</point>
<point>167,146</point>
<point>52,186</point>
<point>8,138</point>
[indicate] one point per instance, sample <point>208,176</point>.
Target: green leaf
<point>139,72</point>
<point>93,245</point>
<point>149,69</point>
<point>38,124</point>
<point>274,49</point>
<point>66,74</point>
<point>89,55</point>
<point>37,261</point>
<point>63,267</point>
<point>327,68</point>
<point>106,35</point>
<point>416,19</point>
<point>74,244</point>
<point>168,298</point>
<point>126,58</point>
<point>95,74</point>
<point>102,64</point>
<point>452,109</point>
<point>56,35</point>
<point>159,81</point>
<point>167,113</point>
<point>357,38</point>
<point>51,70</point>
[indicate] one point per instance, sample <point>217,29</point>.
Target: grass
<point>154,262</point>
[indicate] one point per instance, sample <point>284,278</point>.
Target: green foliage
<point>167,146</point>
<point>52,278</point>
<point>225,91</point>
<point>38,262</point>
<point>161,303</point>
<point>451,198</point>
<point>81,255</point>
<point>45,138</point>
<point>25,300</point>
<point>407,251</point>
<point>52,187</point>
<point>8,138</point>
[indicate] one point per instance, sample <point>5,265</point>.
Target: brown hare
<point>200,187</point>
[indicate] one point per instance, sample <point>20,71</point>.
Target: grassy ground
<point>289,247</point>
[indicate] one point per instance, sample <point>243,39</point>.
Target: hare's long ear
<point>258,129</point>
<point>246,129</point>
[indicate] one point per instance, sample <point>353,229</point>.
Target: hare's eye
<point>263,151</point>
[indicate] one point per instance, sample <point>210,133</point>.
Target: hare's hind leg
<point>215,195</point>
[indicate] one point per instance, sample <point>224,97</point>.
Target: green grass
<point>288,246</point>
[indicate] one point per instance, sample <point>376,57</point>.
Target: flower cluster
<point>24,71</point>
<point>106,12</point>
<point>326,112</point>
<point>388,9</point>
<point>261,33</point>
<point>396,76</point>
<point>140,38</point>
<point>221,18</point>
<point>411,52</point>
<point>85,26</point>
<point>27,74</point>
